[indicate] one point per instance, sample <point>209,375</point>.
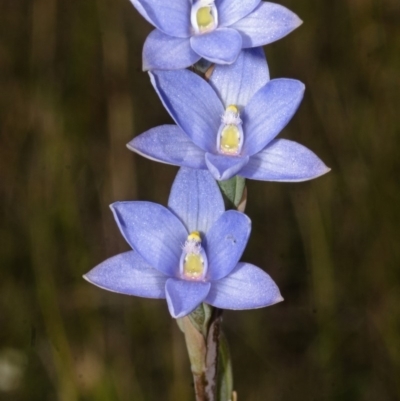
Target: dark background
<point>72,94</point>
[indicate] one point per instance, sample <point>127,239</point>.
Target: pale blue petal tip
<point>247,287</point>
<point>196,199</point>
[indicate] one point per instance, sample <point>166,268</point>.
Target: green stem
<point>234,192</point>
<point>208,354</point>
<point>207,346</point>
<point>212,355</point>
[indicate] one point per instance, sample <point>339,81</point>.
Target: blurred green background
<point>72,94</point>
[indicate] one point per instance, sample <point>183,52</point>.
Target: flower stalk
<point>208,354</point>
<point>207,346</point>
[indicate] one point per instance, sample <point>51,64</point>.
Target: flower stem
<point>212,355</point>
<point>207,349</point>
<point>234,192</point>
<point>207,346</point>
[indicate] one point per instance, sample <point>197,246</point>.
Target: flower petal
<point>284,160</point>
<point>128,273</point>
<point>137,4</point>
<point>192,103</point>
<point>196,199</point>
<point>266,24</point>
<point>230,11</point>
<point>169,144</point>
<point>164,52</point>
<point>237,83</point>
<point>225,167</point>
<point>184,296</point>
<point>268,112</point>
<point>247,287</point>
<point>221,46</point>
<point>153,231</point>
<point>225,243</point>
<point>171,17</point>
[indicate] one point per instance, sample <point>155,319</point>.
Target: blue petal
<point>268,112</point>
<point>237,83</point>
<point>164,52</point>
<point>221,46</point>
<point>196,199</point>
<point>231,11</point>
<point>169,144</point>
<point>247,287</point>
<point>184,296</point>
<point>171,17</point>
<point>266,24</point>
<point>153,231</point>
<point>137,4</point>
<point>192,103</point>
<point>225,243</point>
<point>225,167</point>
<point>128,273</point>
<point>284,160</point>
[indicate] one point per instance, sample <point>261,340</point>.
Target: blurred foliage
<point>73,94</point>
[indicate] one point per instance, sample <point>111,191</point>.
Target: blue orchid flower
<point>229,125</point>
<point>216,30</point>
<point>187,253</point>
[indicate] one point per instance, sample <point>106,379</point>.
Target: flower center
<point>193,263</point>
<point>204,16</point>
<point>230,134</point>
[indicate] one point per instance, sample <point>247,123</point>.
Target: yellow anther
<point>194,236</point>
<point>230,140</point>
<point>204,18</point>
<point>232,108</point>
<point>193,266</point>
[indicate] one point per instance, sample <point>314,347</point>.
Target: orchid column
<point>226,126</point>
